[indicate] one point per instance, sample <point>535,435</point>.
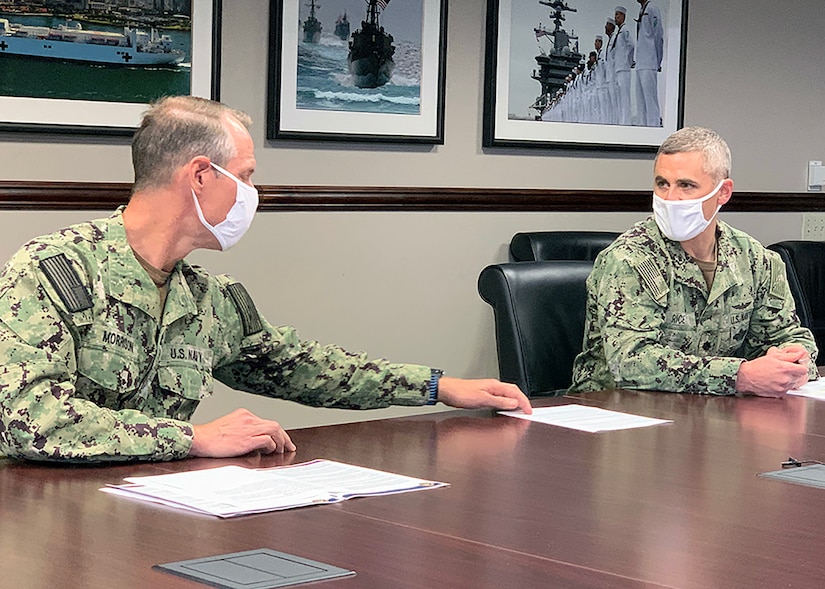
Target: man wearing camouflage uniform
<point>683,302</point>
<point>109,339</point>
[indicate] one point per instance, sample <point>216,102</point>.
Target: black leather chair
<point>559,245</point>
<point>539,320</point>
<point>805,265</point>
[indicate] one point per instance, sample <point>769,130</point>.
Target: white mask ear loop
<point>203,220</point>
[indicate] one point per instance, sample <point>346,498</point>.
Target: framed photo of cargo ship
<point>357,70</point>
<point>585,74</point>
<point>95,72</point>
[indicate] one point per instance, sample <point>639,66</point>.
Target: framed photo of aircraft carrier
<point>584,74</point>
<point>95,71</point>
<point>357,70</point>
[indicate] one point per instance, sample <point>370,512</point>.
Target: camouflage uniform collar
<point>727,271</point>
<point>687,271</point>
<point>130,282</point>
<point>179,302</point>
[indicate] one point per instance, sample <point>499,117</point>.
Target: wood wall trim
<point>23,195</point>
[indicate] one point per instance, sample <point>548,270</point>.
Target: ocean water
<point>323,80</point>
<point>46,78</point>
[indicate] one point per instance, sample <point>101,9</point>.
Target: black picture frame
<point>101,117</point>
<point>590,116</point>
<point>330,106</point>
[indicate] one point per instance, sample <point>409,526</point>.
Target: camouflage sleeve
<point>632,315</point>
<point>274,361</point>
<point>42,417</point>
<point>774,321</point>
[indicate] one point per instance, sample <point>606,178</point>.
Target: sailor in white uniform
<point>610,74</point>
<point>650,41</point>
<point>600,80</point>
<point>623,47</point>
<point>590,96</point>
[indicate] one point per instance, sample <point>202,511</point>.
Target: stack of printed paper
<point>229,491</point>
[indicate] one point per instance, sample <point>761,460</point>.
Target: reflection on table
<point>530,505</point>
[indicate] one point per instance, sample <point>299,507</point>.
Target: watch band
<point>432,388</point>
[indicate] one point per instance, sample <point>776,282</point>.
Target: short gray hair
<point>692,139</point>
<point>174,130</point>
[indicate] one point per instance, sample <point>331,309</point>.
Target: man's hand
<point>792,353</point>
<point>238,433</point>
<point>475,394</point>
<point>775,373</point>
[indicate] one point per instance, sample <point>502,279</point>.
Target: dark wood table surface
<point>529,506</point>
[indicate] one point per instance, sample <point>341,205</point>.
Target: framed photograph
<point>357,70</point>
<point>601,74</point>
<point>95,70</point>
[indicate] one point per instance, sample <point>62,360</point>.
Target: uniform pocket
<point>679,332</point>
<point>680,338</point>
<point>106,371</point>
<point>186,381</point>
<point>739,326</point>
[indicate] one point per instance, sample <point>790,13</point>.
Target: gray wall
<point>402,285</point>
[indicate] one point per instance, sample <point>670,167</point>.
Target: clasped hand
<point>774,374</point>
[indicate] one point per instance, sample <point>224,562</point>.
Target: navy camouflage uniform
<point>651,323</point>
<point>94,369</point>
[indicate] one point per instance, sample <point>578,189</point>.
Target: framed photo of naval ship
<point>357,70</point>
<point>586,74</point>
<point>95,71</point>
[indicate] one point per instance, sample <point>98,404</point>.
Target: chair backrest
<point>538,309</point>
<point>559,245</point>
<point>805,266</point>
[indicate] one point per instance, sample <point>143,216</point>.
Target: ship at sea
<point>312,26</point>
<point>555,65</point>
<point>342,27</point>
<point>70,42</point>
<point>371,50</point>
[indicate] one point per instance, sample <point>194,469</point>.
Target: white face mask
<point>681,220</point>
<point>229,231</point>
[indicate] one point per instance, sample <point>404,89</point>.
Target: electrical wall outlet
<point>813,226</point>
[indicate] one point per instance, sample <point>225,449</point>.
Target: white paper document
<point>815,389</point>
<point>230,491</point>
<point>586,419</point>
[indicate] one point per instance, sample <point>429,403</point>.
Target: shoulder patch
<point>776,292</point>
<point>66,282</point>
<point>246,308</point>
<point>652,279</point>
<point>778,278</point>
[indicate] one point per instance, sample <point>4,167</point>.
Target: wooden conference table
<point>529,506</point>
